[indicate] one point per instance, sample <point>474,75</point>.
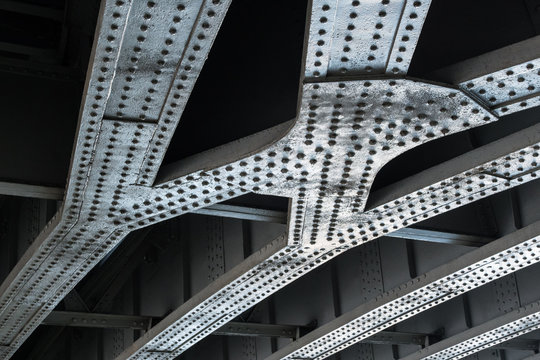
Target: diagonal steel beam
<point>430,191</point>
<point>489,334</point>
<point>282,262</point>
<point>508,79</point>
<point>325,161</point>
<point>474,269</point>
<point>142,50</point>
<point>363,37</point>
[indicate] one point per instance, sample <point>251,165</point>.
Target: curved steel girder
<point>116,158</point>
<point>496,331</point>
<point>113,149</point>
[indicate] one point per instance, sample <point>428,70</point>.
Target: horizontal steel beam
<point>115,321</point>
<point>474,269</point>
<point>441,237</point>
<point>400,338</point>
<point>484,336</point>
<point>256,214</point>
<point>262,330</point>
<point>106,321</point>
<point>294,332</point>
<point>32,191</point>
<point>244,213</point>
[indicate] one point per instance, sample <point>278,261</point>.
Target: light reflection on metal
<point>496,331</point>
<point>325,160</point>
<point>474,269</point>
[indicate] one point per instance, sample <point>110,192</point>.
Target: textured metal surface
<point>108,156</point>
<point>237,290</point>
<point>512,89</point>
<point>320,187</point>
<point>363,37</point>
<point>496,331</point>
<point>507,79</point>
<point>471,270</point>
<point>325,161</point>
<point>506,293</point>
<point>215,248</point>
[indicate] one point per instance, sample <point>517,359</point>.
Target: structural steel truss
<point>357,111</point>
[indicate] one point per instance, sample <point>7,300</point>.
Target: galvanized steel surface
<point>506,327</point>
<point>347,129</point>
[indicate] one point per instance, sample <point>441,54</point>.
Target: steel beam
<point>474,269</point>
<point>489,334</point>
<point>294,332</point>
<point>33,191</point>
<point>256,214</point>
<point>507,79</point>
<point>440,237</point>
<point>399,338</point>
<point>146,45</point>
<point>264,330</point>
<point>278,264</point>
<point>244,213</point>
<point>320,160</point>
<point>104,321</point>
<point>359,37</point>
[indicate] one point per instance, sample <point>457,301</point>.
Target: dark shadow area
<point>44,54</point>
<point>250,80</point>
<point>461,29</point>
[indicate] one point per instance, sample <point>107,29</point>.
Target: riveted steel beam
<point>326,168</point>
<point>363,37</point>
<point>507,79</point>
<point>140,50</point>
<point>322,160</point>
<point>282,262</point>
<point>465,273</point>
<point>489,334</point>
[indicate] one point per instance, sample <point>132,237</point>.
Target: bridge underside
<point>234,179</point>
